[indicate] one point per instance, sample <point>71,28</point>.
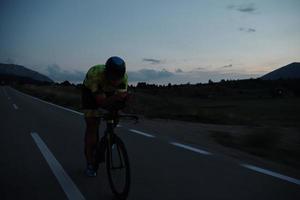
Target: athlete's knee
<point>92,125</point>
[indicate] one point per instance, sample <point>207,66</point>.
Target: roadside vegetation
<point>274,143</point>
<point>270,109</point>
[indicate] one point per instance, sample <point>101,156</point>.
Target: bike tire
<point>123,193</point>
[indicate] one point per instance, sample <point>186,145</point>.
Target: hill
<point>290,71</point>
<point>11,72</point>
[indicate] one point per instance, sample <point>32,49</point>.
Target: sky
<point>161,41</point>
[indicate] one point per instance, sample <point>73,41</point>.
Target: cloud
<point>179,70</point>
<point>10,61</point>
<point>152,61</point>
<point>247,30</point>
<point>200,68</point>
<point>227,66</point>
<point>202,77</point>
<point>195,76</point>
<point>245,8</point>
<point>248,8</point>
<point>56,73</point>
<point>148,75</point>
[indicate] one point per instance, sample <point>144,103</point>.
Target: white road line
<point>274,174</point>
<point>52,104</point>
<point>15,106</point>
<point>64,180</point>
<point>141,133</point>
<point>191,148</point>
<point>4,91</point>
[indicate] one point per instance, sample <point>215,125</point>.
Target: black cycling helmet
<point>115,68</point>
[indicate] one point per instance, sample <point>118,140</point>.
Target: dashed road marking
<point>63,178</point>
<point>191,148</point>
<point>270,173</point>
<point>4,91</point>
<point>15,106</point>
<point>142,133</point>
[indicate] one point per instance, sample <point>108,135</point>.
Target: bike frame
<point>109,133</point>
<point>111,141</point>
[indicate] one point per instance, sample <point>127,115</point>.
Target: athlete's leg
<point>91,138</point>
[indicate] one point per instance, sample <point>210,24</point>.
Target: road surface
<point>41,147</point>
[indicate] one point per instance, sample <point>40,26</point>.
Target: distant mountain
<point>11,70</point>
<point>290,71</point>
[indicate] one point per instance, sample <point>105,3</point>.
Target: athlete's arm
<point>103,101</point>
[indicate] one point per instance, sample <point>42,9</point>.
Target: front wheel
<point>117,165</point>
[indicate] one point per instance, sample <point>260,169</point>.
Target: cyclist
<point>103,86</point>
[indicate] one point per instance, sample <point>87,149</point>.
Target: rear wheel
<point>117,165</point>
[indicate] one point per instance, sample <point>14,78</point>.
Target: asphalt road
<point>41,148</point>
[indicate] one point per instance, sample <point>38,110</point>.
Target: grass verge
<point>277,144</point>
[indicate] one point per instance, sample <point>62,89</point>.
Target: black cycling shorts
<point>88,100</point>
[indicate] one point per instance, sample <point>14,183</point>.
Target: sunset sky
<point>161,40</point>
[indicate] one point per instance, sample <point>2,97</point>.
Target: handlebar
<point>133,117</point>
<point>111,115</point>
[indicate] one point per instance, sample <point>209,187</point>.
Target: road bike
<point>111,150</point>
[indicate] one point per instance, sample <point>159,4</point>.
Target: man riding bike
<point>103,87</point>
